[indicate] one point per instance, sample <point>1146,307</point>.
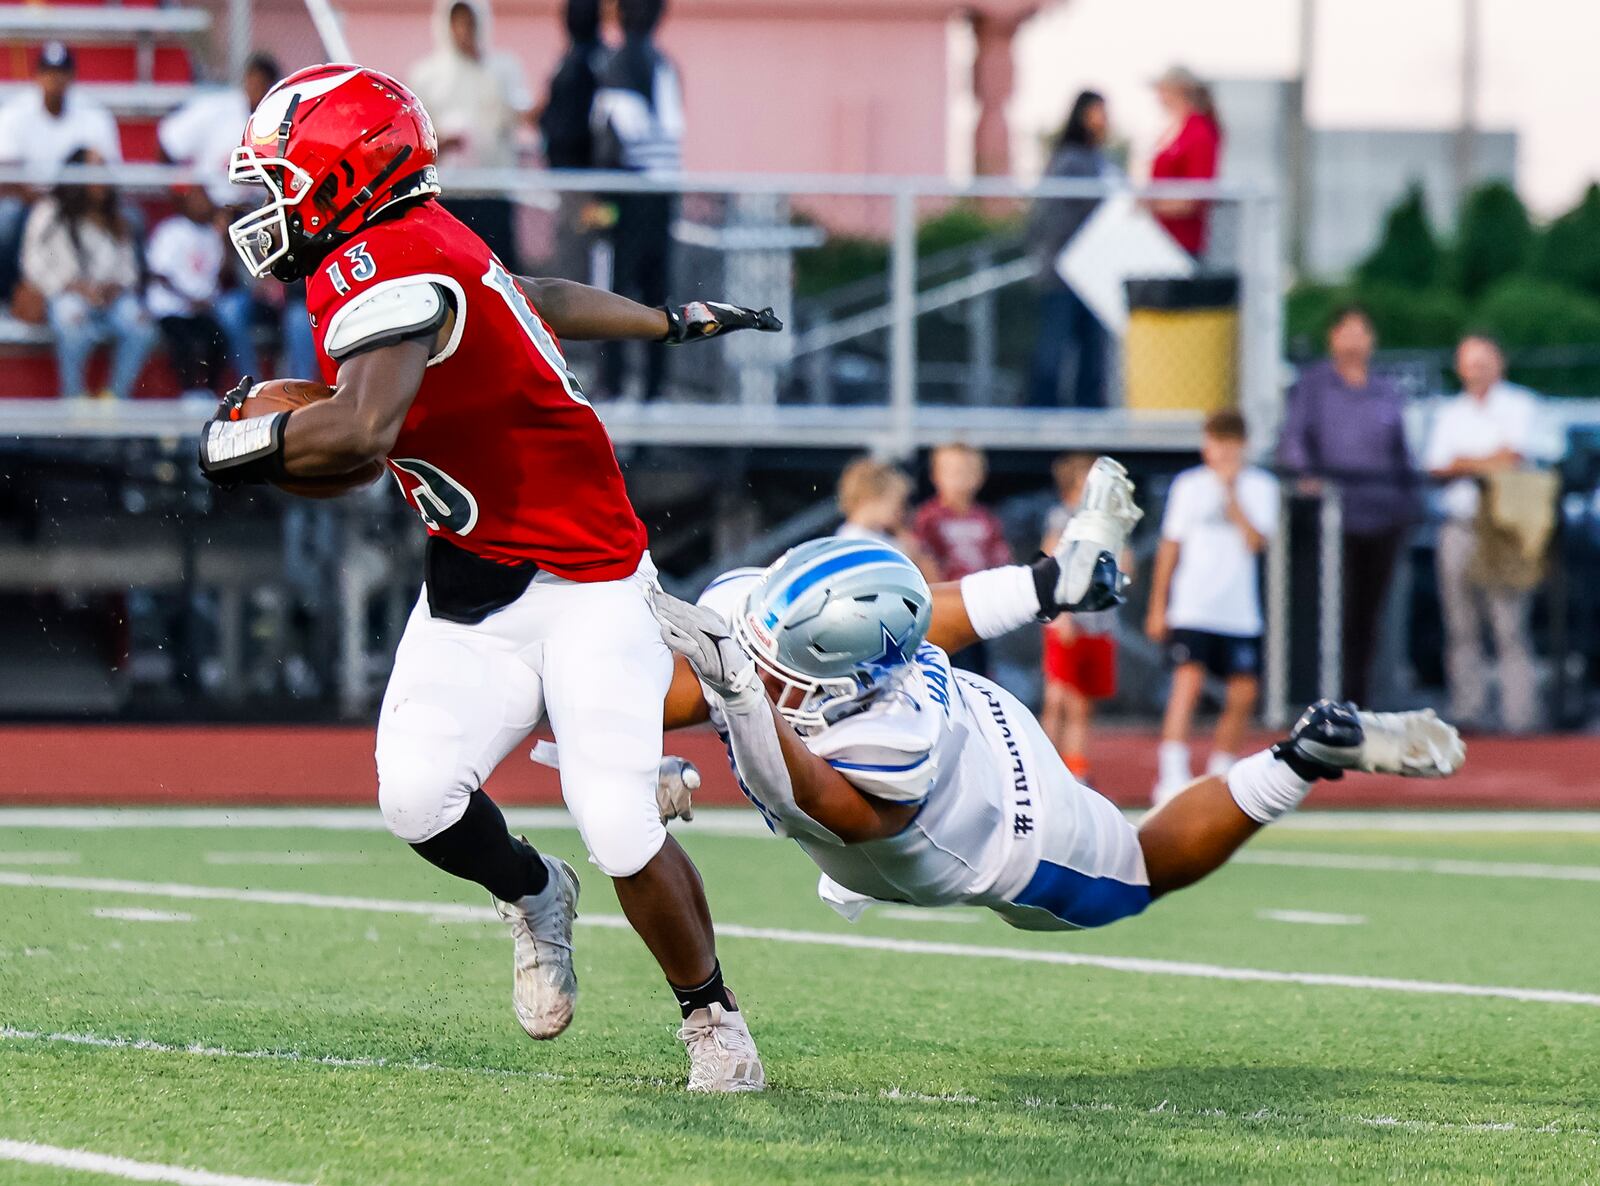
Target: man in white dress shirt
<point>1491,426</point>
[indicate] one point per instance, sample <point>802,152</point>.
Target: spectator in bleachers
<point>80,253</point>
<point>564,120</point>
<point>568,135</point>
<point>1080,650</point>
<point>184,260</point>
<point>479,101</point>
<point>1205,599</point>
<point>961,534</point>
<point>1346,425</point>
<point>874,498</point>
<point>40,127</point>
<point>203,133</point>
<point>1487,430</point>
<point>1066,324</point>
<point>1191,150</point>
<point>205,130</point>
<point>638,121</point>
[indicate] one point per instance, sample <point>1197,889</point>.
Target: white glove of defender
<point>1411,744</point>
<point>1102,524</point>
<point>676,780</point>
<point>704,638</point>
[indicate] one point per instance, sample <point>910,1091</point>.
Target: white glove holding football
<point>704,638</point>
<point>676,782</point>
<point>1102,524</point>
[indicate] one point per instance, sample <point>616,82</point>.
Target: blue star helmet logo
<point>893,655</point>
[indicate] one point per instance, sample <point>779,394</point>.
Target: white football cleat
<point>1411,744</point>
<point>544,987</point>
<point>722,1054</point>
<point>1101,525</point>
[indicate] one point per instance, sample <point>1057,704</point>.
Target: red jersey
<point>961,542</point>
<point>1191,155</point>
<point>500,451</point>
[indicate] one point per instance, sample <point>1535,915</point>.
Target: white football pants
<point>460,698</point>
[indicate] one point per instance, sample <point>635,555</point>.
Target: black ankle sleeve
<point>478,847</point>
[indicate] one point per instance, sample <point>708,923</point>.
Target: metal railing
<point>755,391</point>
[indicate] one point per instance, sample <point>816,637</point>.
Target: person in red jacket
<point>1189,151</point>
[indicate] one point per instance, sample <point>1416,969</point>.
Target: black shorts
<point>1223,655</point>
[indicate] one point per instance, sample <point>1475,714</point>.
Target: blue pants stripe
<point>1080,899</point>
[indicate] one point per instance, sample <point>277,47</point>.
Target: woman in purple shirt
<point>1347,425</point>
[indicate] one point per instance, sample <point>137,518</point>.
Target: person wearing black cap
<point>42,126</point>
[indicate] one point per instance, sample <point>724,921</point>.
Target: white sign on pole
<point>1119,241</point>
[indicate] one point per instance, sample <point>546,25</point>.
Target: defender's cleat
<point>1331,738</point>
<point>1412,744</point>
<point>722,1054</point>
<point>544,987</point>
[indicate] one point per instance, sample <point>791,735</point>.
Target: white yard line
<point>1149,967</point>
<point>928,914</point>
<point>892,1094</point>
<point>140,914</point>
<point>1312,918</point>
<point>39,858</point>
<point>274,857</point>
<point>1385,864</point>
<point>734,821</point>
<point>122,1167</point>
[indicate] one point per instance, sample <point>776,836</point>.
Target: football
<point>285,395</point>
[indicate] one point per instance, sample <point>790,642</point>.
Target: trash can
<point>1181,349</point>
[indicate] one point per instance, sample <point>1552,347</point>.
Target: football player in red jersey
<point>536,599</point>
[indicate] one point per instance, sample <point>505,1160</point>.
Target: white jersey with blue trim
<point>966,751</point>
<point>935,740</point>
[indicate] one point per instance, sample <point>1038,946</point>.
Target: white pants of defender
<point>460,698</point>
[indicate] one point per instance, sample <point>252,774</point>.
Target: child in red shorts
<point>1080,650</point>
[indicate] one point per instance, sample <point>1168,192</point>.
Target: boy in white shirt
<point>185,258</point>
<point>1205,597</point>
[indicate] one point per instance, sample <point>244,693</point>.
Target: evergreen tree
<point>1408,254</point>
<point>1494,238</point>
<point>1569,251</point>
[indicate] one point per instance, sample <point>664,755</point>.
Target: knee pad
<point>423,785</point>
<point>621,838</point>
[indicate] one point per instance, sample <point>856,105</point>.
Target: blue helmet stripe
<point>833,565</point>
<point>841,764</point>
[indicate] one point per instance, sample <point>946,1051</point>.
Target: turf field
<point>1354,1004</point>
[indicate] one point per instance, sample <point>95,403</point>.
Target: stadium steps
<point>134,58</point>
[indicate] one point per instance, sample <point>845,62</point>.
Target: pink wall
<point>770,85</point>
<point>777,86</point>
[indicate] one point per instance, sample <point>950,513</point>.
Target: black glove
<point>1105,591</point>
<point>231,405</point>
<point>706,319</point>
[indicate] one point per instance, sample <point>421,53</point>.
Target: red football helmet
<point>335,145</point>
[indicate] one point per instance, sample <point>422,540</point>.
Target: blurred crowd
<point>1479,475</point>
<point>103,272</point>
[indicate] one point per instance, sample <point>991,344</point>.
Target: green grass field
<point>293,1041</point>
